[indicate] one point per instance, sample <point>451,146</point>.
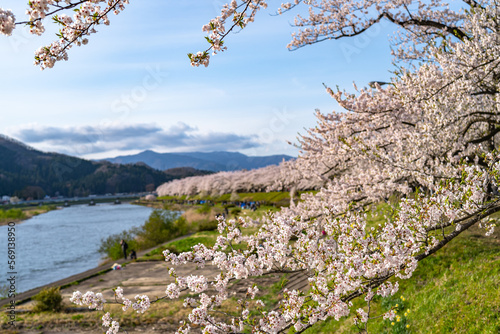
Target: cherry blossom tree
<point>74,30</point>
<point>429,136</point>
<point>268,178</point>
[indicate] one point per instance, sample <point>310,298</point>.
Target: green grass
<point>22,213</point>
<point>208,238</point>
<point>271,197</point>
<point>12,214</point>
<point>260,212</point>
<point>271,297</point>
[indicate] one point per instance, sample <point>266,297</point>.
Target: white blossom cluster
<point>239,14</point>
<point>113,326</point>
<point>73,29</point>
<point>93,300</point>
<point>97,301</point>
<point>141,304</point>
<point>7,22</point>
<point>334,19</point>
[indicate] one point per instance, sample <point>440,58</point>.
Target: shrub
<point>161,226</point>
<point>205,208</point>
<point>111,245</point>
<point>207,225</point>
<point>49,299</point>
<point>235,211</point>
<point>12,214</point>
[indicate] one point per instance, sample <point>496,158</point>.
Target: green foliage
<point>205,208</point>
<point>235,211</point>
<point>207,225</point>
<point>184,245</point>
<point>4,291</point>
<point>111,245</point>
<point>270,197</point>
<point>399,325</point>
<point>49,299</point>
<point>48,207</point>
<point>161,226</point>
<point>12,214</point>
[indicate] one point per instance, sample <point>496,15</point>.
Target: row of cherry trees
<point>270,178</point>
<point>434,127</point>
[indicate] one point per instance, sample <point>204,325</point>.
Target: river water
<point>64,242</point>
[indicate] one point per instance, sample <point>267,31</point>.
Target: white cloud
<point>85,140</point>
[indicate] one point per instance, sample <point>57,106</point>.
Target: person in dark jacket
<point>124,248</point>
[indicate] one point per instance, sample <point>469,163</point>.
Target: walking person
<point>124,248</point>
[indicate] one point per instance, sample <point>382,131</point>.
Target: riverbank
<point>142,276</point>
<point>30,211</point>
<point>23,214</point>
<point>62,243</point>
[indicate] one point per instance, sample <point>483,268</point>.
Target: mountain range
<point>28,173</point>
<point>211,161</point>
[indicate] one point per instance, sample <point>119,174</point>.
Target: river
<point>64,242</point>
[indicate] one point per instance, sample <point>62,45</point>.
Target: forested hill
<point>26,172</point>
<point>211,161</point>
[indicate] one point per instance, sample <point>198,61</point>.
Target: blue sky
<point>132,87</point>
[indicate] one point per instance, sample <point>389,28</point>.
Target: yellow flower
<point>397,305</point>
<point>407,326</point>
<point>392,323</point>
